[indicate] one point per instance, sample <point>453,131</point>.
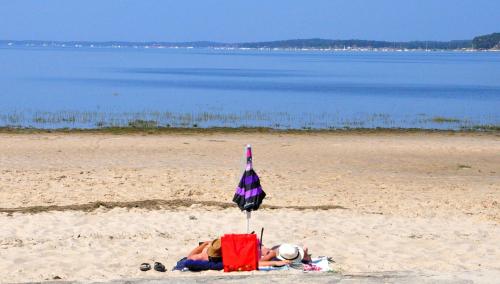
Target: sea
<point>76,87</point>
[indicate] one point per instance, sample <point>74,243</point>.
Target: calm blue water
<point>75,87</point>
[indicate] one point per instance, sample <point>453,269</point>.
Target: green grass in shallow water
<point>441,119</point>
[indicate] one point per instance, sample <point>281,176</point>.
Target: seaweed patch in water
<point>441,119</point>
<point>204,119</point>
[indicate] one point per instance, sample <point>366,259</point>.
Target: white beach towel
<point>273,268</point>
<point>318,264</point>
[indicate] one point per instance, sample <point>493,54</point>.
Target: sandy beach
<point>93,206</point>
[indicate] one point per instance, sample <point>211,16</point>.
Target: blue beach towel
<point>185,264</point>
<point>202,265</point>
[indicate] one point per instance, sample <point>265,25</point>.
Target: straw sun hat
<point>290,252</point>
<point>214,249</point>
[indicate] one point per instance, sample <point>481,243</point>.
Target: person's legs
<point>200,252</point>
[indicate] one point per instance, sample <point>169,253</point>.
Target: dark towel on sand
<point>197,265</point>
<point>201,265</point>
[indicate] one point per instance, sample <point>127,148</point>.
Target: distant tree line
<point>484,42</point>
<point>354,43</point>
<point>491,41</point>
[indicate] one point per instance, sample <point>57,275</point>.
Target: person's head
<point>290,252</point>
<point>265,251</point>
<point>214,250</point>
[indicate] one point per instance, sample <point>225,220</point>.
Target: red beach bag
<point>239,252</point>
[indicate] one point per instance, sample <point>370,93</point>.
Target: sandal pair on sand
<point>157,266</point>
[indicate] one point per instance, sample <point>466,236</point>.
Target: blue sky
<point>239,20</point>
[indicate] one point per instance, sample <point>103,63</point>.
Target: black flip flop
<point>145,267</point>
<point>159,267</point>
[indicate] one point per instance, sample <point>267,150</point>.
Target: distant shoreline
<point>288,45</point>
<point>490,42</point>
<point>4,46</point>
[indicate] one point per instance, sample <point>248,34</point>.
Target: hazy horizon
<point>231,21</point>
<point>223,42</point>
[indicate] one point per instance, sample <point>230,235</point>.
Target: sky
<point>246,20</point>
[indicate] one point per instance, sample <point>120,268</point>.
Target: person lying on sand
<point>210,250</point>
<point>283,254</point>
<point>276,256</point>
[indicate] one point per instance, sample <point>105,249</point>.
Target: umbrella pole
<point>249,213</point>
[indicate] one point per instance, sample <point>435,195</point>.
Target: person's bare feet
<point>307,256</point>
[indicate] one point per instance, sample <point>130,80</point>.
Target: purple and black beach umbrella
<point>249,193</point>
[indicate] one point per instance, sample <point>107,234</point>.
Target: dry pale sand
<point>110,244</point>
<point>415,202</point>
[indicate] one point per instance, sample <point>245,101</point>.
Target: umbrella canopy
<point>249,193</point>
